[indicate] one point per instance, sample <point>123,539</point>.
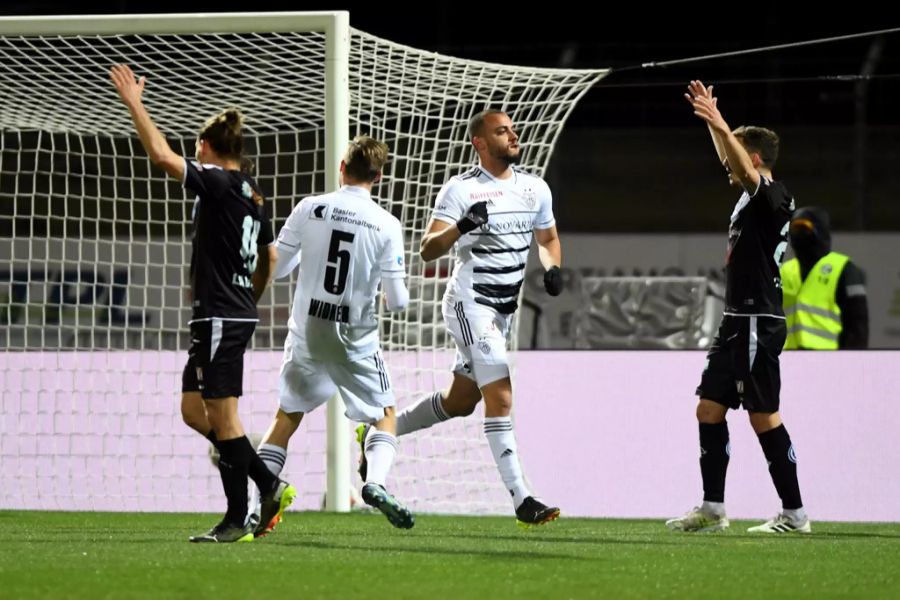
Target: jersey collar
<point>356,191</point>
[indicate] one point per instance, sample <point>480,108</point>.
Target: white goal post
<point>93,310</point>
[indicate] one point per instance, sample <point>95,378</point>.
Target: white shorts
<point>480,336</point>
<point>305,384</point>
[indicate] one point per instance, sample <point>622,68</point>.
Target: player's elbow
<point>162,156</point>
<point>429,251</point>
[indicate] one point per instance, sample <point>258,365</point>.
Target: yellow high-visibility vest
<point>813,316</point>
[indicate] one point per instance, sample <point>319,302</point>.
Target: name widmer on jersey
<point>328,311</point>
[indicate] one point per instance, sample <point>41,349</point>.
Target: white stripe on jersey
<point>347,244</point>
<point>490,265</point>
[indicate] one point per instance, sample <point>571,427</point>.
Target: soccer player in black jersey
<point>231,230</point>
<point>742,366</point>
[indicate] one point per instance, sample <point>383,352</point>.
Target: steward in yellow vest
<point>824,292</point>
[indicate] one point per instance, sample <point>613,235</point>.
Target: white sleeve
<point>449,206</point>
<point>395,293</point>
<point>288,242</point>
<point>391,262</point>
<point>286,263</point>
<point>544,218</point>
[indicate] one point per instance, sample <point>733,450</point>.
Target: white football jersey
<point>348,244</point>
<point>490,263</point>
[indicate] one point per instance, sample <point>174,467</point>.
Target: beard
<point>508,158</point>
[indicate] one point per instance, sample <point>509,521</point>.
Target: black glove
<point>553,282</point>
<point>474,218</point>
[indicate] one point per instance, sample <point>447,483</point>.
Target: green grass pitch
<point>316,555</point>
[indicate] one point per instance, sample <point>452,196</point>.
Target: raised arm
<point>736,157</point>
<point>152,139</point>
<point>696,88</point>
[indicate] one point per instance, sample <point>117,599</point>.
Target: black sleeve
<point>770,194</point>
<point>852,300</point>
<point>193,177</point>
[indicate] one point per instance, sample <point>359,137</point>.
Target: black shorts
<point>742,365</point>
<point>215,365</point>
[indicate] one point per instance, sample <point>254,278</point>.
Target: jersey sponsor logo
<point>508,225</point>
<point>329,312</point>
<point>486,195</point>
<point>349,217</point>
<point>318,212</point>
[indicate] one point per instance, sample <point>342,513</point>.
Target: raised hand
<point>129,90</point>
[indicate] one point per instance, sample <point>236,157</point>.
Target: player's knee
<point>710,413</point>
<point>194,415</point>
<point>192,420</point>
<point>763,422</point>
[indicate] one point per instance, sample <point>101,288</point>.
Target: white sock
<point>797,515</point>
<point>500,436</point>
<point>425,413</point>
<point>380,450</point>
<point>273,457</point>
<point>716,508</point>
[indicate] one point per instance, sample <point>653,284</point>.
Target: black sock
<point>211,436</point>
<point>233,464</point>
<point>776,445</point>
<point>714,454</point>
<point>264,479</point>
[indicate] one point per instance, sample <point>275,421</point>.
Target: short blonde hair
<point>365,157</point>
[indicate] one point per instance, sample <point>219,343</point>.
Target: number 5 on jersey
<point>338,262</point>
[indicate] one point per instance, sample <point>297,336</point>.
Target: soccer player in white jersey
<point>490,213</point>
<point>347,244</point>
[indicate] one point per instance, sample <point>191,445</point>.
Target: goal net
<point>95,243</point>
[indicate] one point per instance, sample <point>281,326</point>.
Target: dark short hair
<point>760,140</point>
